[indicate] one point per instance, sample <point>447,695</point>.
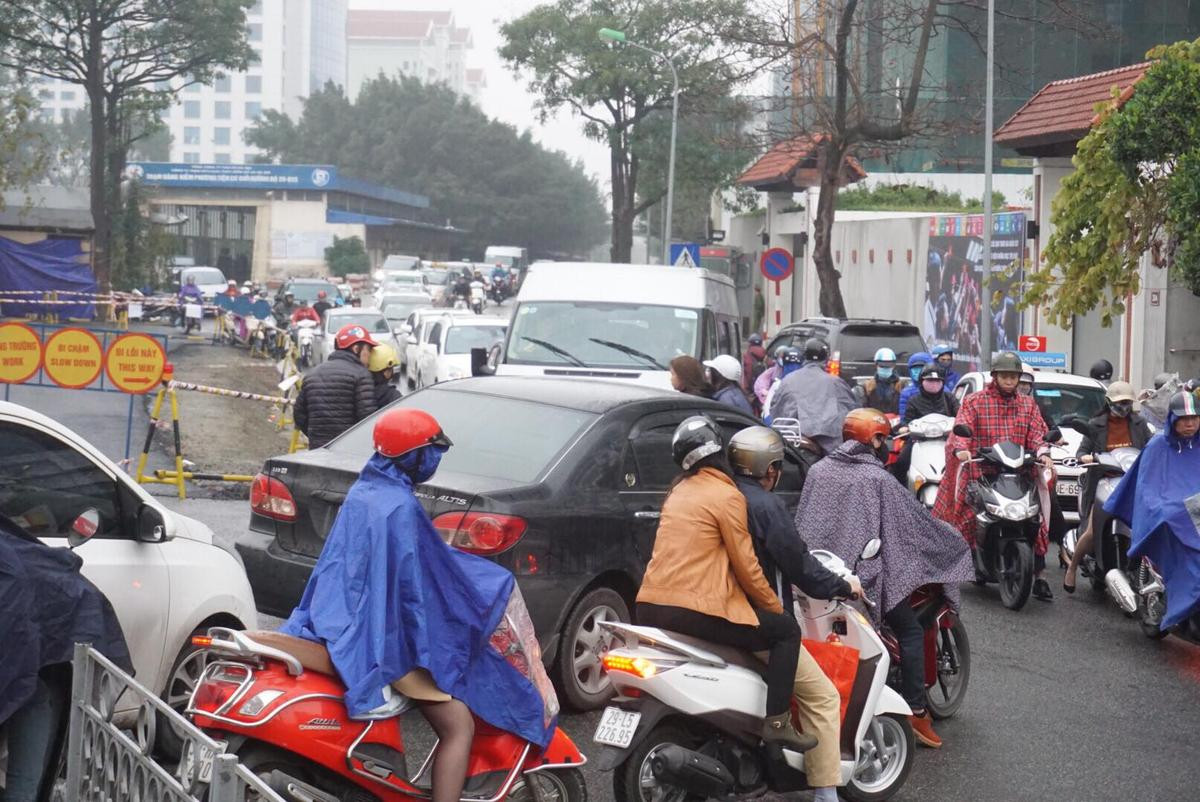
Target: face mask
<point>884,373</point>
<point>1122,409</point>
<point>931,387</point>
<point>884,450</point>
<point>946,361</point>
<point>915,373</point>
<point>422,464</point>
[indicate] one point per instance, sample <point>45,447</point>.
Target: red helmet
<point>399,431</point>
<point>320,293</point>
<point>863,424</point>
<point>351,334</point>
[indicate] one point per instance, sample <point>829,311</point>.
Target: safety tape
<point>221,391</point>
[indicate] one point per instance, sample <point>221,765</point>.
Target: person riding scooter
<point>817,399</point>
<point>882,390</point>
<point>916,363</point>
<point>931,399</point>
<point>396,606</point>
<point>850,498</point>
<point>190,295</point>
<point>756,455</point>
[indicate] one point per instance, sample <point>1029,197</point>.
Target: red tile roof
<point>383,24</point>
<point>1062,112</point>
<point>793,163</point>
<point>460,36</point>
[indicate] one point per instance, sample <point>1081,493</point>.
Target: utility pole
<point>985,300</point>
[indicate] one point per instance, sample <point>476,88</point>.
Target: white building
<point>425,45</point>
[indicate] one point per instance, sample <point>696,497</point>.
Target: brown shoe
<point>923,728</point>
<point>779,730</point>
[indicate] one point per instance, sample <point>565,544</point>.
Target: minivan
<point>615,321</point>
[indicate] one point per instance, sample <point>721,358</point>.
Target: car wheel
<point>185,673</point>
<point>581,677</point>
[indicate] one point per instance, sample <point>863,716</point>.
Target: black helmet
<point>815,350</point>
<point>1184,404</point>
<point>1101,371</point>
<point>1007,362</point>
<point>755,339</point>
<point>933,371</point>
<point>792,356</point>
<point>696,438</point>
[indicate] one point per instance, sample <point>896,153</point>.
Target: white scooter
<point>306,333</point>
<point>688,714</point>
<point>928,435</point>
<point>478,297</point>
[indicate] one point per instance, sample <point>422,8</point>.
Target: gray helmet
<point>752,451</point>
<point>815,350</point>
<point>1007,362</point>
<point>780,350</point>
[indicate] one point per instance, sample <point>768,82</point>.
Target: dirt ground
<point>222,434</point>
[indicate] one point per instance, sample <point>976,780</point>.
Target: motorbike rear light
<point>201,641</point>
<point>258,702</point>
<point>218,685</point>
<point>271,498</point>
<point>482,533</point>
<point>638,666</point>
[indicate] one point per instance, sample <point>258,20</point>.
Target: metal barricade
<point>108,764</point>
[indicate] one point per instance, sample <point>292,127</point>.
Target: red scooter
<point>276,701</point>
<point>947,652</point>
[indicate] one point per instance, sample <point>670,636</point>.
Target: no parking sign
<point>776,264</point>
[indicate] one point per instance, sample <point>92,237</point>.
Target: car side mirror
<point>85,525</point>
<point>963,430</point>
<point>152,527</point>
<point>871,550</point>
<point>479,363</point>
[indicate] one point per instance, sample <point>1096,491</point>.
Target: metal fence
<point>106,763</point>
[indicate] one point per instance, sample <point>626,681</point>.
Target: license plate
<point>617,727</point>
<point>205,762</point>
<point>1068,488</point>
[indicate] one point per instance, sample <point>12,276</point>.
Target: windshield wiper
<point>625,349</point>
<point>554,349</point>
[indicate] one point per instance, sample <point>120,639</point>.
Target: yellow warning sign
<point>134,363</point>
<point>74,358</point>
<point>20,353</point>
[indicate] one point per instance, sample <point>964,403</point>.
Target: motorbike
<point>305,333</point>
<point>789,429</point>
<point>1146,599</point>
<point>499,290</point>
<point>947,652</point>
<point>688,713</point>
<point>264,338</point>
<point>277,703</point>
<point>928,435</point>
<point>1007,517</point>
<point>1110,545</point>
<point>478,297</point>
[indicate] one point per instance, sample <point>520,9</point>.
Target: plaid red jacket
<point>992,418</point>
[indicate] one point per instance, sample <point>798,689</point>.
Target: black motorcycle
<point>1007,515</point>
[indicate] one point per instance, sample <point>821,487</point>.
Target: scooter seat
<point>727,653</point>
<point>311,655</point>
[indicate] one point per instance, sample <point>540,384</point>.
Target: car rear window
<point>859,343</point>
<point>494,437</point>
<point>307,291</point>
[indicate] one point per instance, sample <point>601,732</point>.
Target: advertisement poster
<point>953,284</point>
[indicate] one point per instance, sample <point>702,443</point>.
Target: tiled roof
<point>1063,111</point>
<point>460,36</point>
<point>385,25</point>
<point>793,162</point>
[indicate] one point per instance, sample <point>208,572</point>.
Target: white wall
<point>296,235</point>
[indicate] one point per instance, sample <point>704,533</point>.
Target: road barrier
<point>165,391</point>
<point>212,477</point>
<point>108,764</point>
<point>203,388</point>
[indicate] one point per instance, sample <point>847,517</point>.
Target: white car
<point>370,319</point>
<point>162,572</point>
<point>414,335</point>
<point>1060,396</point>
<point>451,339</point>
<point>410,282</point>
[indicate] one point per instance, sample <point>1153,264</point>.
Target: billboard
<point>243,176</point>
<point>953,284</point>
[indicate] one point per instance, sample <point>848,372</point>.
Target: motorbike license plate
<point>205,762</point>
<point>617,727</point>
<point>1067,488</point>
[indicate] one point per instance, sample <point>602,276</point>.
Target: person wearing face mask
<point>850,498</point>
<point>1118,426</point>
<point>881,391</point>
<point>400,610</point>
<point>1025,384</point>
<point>916,363</point>
<point>944,356</point>
<point>931,396</point>
<point>767,379</point>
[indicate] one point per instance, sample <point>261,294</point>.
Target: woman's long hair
<point>691,375</point>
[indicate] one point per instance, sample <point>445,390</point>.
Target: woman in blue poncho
<point>398,608</point>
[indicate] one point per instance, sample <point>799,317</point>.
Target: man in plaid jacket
<point>995,414</point>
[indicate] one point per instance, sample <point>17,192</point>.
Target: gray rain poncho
<point>818,400</point>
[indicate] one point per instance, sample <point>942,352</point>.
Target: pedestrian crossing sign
<point>685,254</point>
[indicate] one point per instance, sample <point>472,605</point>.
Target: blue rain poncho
<point>388,596</point>
<point>1160,500</point>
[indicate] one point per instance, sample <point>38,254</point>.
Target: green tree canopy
<point>1136,188</point>
<point>347,255</point>
<point>482,175</point>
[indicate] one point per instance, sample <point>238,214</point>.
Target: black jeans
<point>911,637</point>
<point>777,633</point>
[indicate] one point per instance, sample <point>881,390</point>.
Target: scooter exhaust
<point>289,787</point>
<point>1118,588</point>
<point>695,773</point>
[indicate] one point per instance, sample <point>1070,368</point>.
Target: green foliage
<point>139,249</point>
<point>1136,188</point>
<point>911,198</point>
<point>347,255</point>
<point>22,151</point>
<point>479,173</point>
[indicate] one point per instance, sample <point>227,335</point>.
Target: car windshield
<point>400,262</point>
<point>307,291</point>
<point>591,334</point>
<point>531,436</point>
<point>506,261</point>
<point>1061,401</point>
<point>462,339</point>
<point>436,277</point>
<point>203,275</point>
<point>374,323</point>
<point>859,343</point>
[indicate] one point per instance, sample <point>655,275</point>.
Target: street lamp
<point>985,302</point>
<point>618,37</point>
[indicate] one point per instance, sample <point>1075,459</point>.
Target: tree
<point>482,175</point>
<point>623,93</point>
<point>22,149</point>
<point>347,255</point>
<point>123,53</point>
<point>68,145</point>
<point>1136,188</point>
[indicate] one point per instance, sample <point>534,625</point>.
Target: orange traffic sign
<point>134,363</point>
<point>20,353</point>
<point>74,358</point>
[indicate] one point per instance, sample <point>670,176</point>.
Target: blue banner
<point>54,264</point>
<point>1044,359</point>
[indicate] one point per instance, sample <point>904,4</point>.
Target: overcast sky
<point>505,96</point>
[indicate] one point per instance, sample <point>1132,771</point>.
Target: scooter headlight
<point>928,494</point>
<point>1010,511</point>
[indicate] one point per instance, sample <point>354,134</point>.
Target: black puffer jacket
<point>1096,438</point>
<point>923,404</point>
<point>335,395</point>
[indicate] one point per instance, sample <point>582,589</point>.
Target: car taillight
<point>834,366</point>
<point>270,497</point>
<point>480,532</point>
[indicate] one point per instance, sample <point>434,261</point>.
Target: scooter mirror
<point>963,430</point>
<point>83,527</point>
<point>871,550</point>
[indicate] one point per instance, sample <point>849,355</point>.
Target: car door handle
<point>332,496</point>
<point>648,514</point>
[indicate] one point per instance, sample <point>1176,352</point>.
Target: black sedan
<point>559,480</point>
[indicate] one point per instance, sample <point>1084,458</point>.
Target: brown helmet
<point>863,424</point>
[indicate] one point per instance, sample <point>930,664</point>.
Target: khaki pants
<point>820,714</point>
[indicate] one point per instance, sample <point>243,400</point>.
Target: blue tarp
<point>52,265</point>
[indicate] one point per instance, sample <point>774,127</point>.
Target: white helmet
<point>727,366</point>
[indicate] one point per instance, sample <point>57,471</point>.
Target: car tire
<point>581,677</point>
<point>185,672</point>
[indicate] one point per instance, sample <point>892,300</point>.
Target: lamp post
<point>985,302</point>
<point>610,35</point>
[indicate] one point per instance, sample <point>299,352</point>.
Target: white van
<point>508,255</point>
<point>610,321</point>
